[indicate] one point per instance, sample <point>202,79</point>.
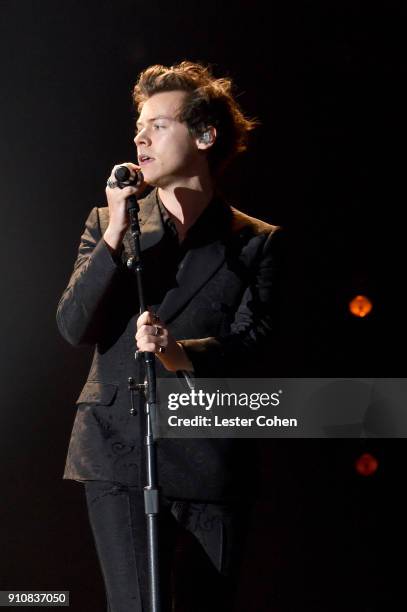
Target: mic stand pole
<point>151,493</point>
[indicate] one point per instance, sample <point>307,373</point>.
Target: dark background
<point>326,80</point>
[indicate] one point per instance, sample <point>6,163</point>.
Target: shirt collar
<point>208,222</point>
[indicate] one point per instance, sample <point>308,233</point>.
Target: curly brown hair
<point>209,102</point>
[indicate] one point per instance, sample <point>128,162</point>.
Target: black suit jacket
<point>219,307</point>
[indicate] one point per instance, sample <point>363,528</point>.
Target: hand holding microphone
<point>125,180</point>
<point>126,175</point>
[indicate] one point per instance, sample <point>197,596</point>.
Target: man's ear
<point>207,138</point>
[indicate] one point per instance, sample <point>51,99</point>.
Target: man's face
<point>167,153</point>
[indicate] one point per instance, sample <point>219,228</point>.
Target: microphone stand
<point>149,390</point>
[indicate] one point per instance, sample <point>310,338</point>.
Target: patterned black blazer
<point>218,302</point>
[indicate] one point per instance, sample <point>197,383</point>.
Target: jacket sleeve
<point>249,338</point>
<point>80,309</point>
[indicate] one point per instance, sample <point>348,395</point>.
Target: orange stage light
<point>360,306</point>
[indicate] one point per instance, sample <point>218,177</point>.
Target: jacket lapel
<point>151,225</point>
<point>197,267</point>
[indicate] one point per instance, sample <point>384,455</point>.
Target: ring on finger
<point>157,330</point>
<point>161,349</point>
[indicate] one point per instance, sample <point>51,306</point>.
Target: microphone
<point>125,176</point>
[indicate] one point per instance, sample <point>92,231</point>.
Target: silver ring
<point>111,184</point>
<point>157,330</point>
<point>161,349</point>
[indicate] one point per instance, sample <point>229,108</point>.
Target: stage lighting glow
<point>360,306</point>
<point>366,464</point>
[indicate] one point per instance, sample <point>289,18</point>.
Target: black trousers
<point>189,581</point>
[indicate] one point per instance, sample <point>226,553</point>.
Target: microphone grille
<point>122,174</point>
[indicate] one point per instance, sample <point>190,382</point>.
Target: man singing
<point>208,276</point>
